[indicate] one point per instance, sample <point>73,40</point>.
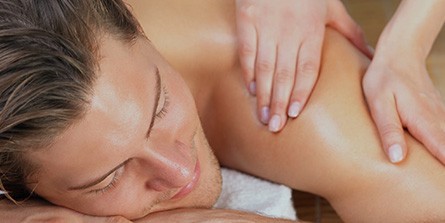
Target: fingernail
<point>395,153</point>
<point>274,124</point>
<point>265,115</point>
<point>294,110</point>
<point>252,88</point>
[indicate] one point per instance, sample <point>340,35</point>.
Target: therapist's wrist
<point>404,40</point>
<point>401,47</point>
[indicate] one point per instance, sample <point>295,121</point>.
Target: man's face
<point>139,148</point>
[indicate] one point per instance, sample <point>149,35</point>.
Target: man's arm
<point>208,216</point>
<point>34,211</point>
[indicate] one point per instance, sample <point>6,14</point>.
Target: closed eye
<point>114,182</point>
<point>111,185</point>
<point>163,111</point>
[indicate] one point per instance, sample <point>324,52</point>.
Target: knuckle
<point>279,105</point>
<point>369,97</point>
<point>307,70</point>
<point>265,66</point>
<point>246,9</point>
<point>284,76</point>
<point>246,49</point>
<point>390,130</point>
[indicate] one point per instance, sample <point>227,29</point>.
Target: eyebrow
<point>98,180</point>
<point>156,101</point>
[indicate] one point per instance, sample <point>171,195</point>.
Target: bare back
<point>331,149</point>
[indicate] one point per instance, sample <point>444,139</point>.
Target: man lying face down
<point>95,120</point>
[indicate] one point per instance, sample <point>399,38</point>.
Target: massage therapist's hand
<point>398,89</point>
<point>207,216</point>
<point>280,48</point>
<point>41,212</point>
<point>401,94</point>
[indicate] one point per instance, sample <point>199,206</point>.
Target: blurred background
<point>372,15</point>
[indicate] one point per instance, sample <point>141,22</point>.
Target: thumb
<point>339,19</point>
<point>386,118</point>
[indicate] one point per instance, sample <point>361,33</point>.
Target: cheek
<point>130,203</point>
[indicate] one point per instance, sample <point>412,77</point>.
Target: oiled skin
<point>331,149</point>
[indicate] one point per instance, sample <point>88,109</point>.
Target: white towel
<point>247,193</point>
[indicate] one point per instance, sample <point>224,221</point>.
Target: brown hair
<point>47,61</point>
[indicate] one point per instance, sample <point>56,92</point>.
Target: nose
<point>169,167</point>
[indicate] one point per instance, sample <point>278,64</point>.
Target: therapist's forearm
<point>413,29</point>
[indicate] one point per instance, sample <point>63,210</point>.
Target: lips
<point>187,189</point>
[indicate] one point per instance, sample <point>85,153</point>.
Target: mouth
<point>187,189</point>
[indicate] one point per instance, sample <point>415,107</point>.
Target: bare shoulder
<point>195,36</point>
<point>331,149</point>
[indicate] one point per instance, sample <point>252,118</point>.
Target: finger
<point>247,43</point>
<point>264,69</point>
<point>429,128</point>
<point>345,24</point>
<point>308,67</point>
<point>431,134</point>
<point>385,115</point>
<point>283,83</point>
